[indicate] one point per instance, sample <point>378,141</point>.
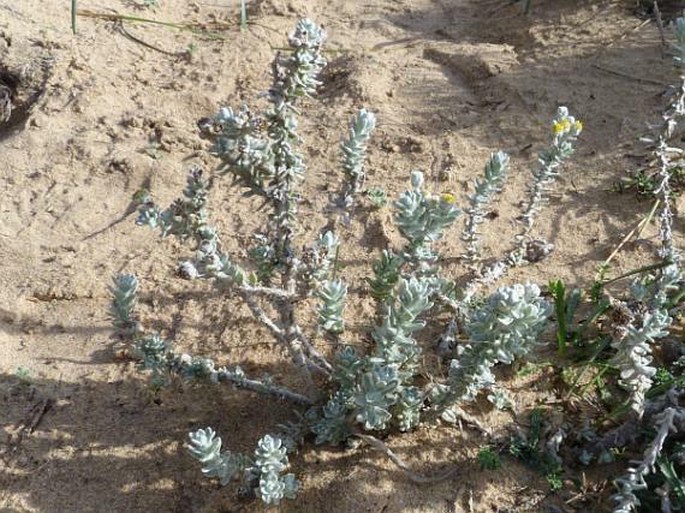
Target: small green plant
<point>540,455</point>
<point>153,149</point>
<point>489,459</point>
<point>554,481</point>
<point>645,182</point>
<point>377,196</point>
<point>191,51</point>
<point>565,306</point>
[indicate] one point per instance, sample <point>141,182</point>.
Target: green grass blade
<point>73,16</point>
<point>243,15</point>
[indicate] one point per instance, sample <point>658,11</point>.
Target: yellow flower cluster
<point>565,125</point>
<point>449,198</point>
<point>561,126</point>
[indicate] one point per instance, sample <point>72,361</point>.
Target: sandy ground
<point>99,114</point>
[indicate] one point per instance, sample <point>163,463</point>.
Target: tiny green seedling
<point>377,196</point>
<point>489,459</point>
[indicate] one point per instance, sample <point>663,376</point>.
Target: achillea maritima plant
<point>347,393</point>
<point>647,314</point>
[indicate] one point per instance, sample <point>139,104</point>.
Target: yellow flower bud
<point>449,198</point>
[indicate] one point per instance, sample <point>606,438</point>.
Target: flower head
<point>448,197</point>
<point>561,126</point>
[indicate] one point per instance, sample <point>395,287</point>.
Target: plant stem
<point>73,16</point>
<point>646,268</point>
<point>243,15</point>
<point>558,291</point>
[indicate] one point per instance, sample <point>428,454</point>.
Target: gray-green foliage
<point>354,155</point>
<point>332,296</point>
<point>485,188</point>
<point>565,129</point>
<point>421,219</point>
<point>646,315</point>
<point>260,150</point>
<point>506,327</point>
<point>669,421</point>
<point>318,260</point>
<point>124,297</point>
<point>270,461</point>
<point>157,356</point>
<point>394,337</point>
<point>262,473</point>
<point>634,353</point>
<point>387,271</point>
<point>646,319</point>
<point>650,318</point>
<point>361,390</point>
<point>377,388</point>
<point>185,216</point>
<point>205,447</point>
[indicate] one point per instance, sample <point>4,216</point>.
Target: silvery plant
<point>348,394</point>
<point>647,313</point>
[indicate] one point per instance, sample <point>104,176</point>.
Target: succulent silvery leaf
<point>634,354</point>
<point>386,275</point>
<point>565,132</point>
<point>500,399</point>
<point>348,366</point>
<point>409,408</point>
<point>271,454</point>
<point>394,342</point>
<point>244,151</point>
<point>153,353</point>
<point>124,292</point>
<point>513,317</point>
<point>205,446</point>
<point>333,426</point>
<point>263,254</point>
<point>376,393</point>
<point>506,327</point>
<point>318,260</point>
<point>417,180</point>
<point>354,154</point>
<point>492,182</point>
<point>332,295</point>
<point>270,460</point>
<point>296,75</point>
<point>422,218</point>
<point>185,215</point>
<point>271,488</point>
